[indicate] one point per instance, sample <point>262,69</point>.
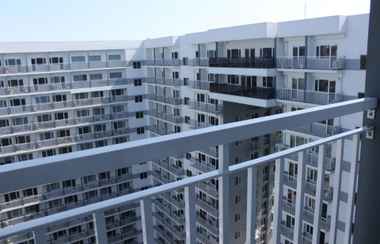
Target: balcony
<point>176,119</point>
<point>312,63</point>
<point>207,107</point>
<point>57,67</point>
<point>164,82</point>
<point>259,63</point>
<point>257,92</point>
<point>312,97</point>
<point>200,84</point>
<point>165,99</point>
<point>163,62</point>
<point>128,154</point>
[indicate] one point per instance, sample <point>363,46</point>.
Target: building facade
<point>102,96</point>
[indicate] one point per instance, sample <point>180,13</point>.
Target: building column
<point>190,215</point>
<point>251,205</point>
<point>277,203</point>
<point>319,194</point>
<point>336,193</point>
<point>100,227</point>
<point>40,236</point>
<point>224,196</point>
<point>299,198</point>
<point>146,220</point>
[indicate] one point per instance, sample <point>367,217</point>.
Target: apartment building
<point>58,100</point>
<point>237,73</point>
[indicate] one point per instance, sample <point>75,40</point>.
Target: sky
<point>80,20</point>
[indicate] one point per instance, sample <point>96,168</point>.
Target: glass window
<point>78,59</point>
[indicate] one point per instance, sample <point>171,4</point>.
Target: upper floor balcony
<point>311,63</point>
<point>164,82</point>
<point>14,69</point>
<point>238,62</point>
<point>309,96</point>
<point>165,99</point>
<point>163,62</point>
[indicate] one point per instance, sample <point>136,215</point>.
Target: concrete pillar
<point>190,215</point>
<point>100,228</point>
<point>251,205</point>
<point>147,220</point>
<point>319,195</point>
<point>299,198</point>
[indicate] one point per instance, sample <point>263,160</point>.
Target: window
<point>12,61</point>
<point>11,196</point>
<point>311,175</point>
<point>38,60</point>
<point>40,81</point>
<point>63,133</point>
<point>22,139</point>
<point>97,94</point>
<point>268,81</point>
<point>83,113</point>
<point>138,99</point>
<point>61,115</point>
<point>78,59</point>
<point>4,123</point>
<point>298,84</point>
<point>59,98</point>
<point>114,57</point>
<point>139,115</point>
<point>56,60</point>
<point>94,58</point>
<point>29,192</point>
<point>308,229</point>
<point>118,92</point>
<point>98,76</point>
<point>325,86</point>
<point>68,183</point>
<point>143,175</point>
<point>138,82</point>
<point>84,130</point>
<point>48,153</point>
<point>116,75</point>
<point>82,95</point>
<point>44,118</point>
<point>81,77</point>
<point>15,83</point>
<point>57,79</point>
<point>327,51</point>
<point>122,172</point>
<point>17,102</point>
<point>136,65</point>
<point>42,99</point>
<point>140,130</point>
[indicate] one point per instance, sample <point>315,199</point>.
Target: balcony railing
<point>176,119</point>
<point>165,99</point>
<point>28,174</point>
<point>312,97</point>
<point>163,62</point>
<point>167,82</point>
<point>314,63</point>
<point>262,63</point>
<point>56,67</point>
<point>257,92</point>
<point>207,107</point>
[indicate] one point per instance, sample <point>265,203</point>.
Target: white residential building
<point>194,81</point>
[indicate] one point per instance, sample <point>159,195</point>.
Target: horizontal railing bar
<point>74,165</point>
<point>136,196</point>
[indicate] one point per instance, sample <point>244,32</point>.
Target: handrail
<point>36,224</point>
<point>28,173</point>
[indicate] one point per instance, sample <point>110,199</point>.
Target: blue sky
<point>70,20</point>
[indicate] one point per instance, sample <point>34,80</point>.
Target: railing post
<point>319,194</point>
<point>40,236</point>
<point>251,205</point>
<point>100,227</point>
<point>190,215</point>
<point>299,198</point>
<point>224,196</point>
<point>338,176</point>
<point>277,204</point>
<point>147,220</point>
<point>351,194</point>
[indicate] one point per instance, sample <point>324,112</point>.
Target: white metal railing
<point>91,161</point>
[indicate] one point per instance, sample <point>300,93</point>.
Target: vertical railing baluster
<point>40,236</point>
<point>319,194</point>
<point>277,204</point>
<point>190,215</point>
<point>251,205</point>
<point>353,187</point>
<point>224,196</point>
<point>338,176</point>
<point>147,220</point>
<point>299,204</point>
<point>100,227</point>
